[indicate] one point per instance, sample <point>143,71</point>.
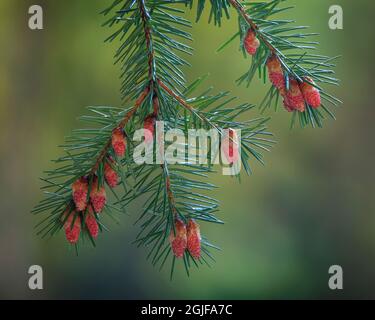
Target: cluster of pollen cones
<point>299,93</point>
<point>89,195</point>
<point>185,238</point>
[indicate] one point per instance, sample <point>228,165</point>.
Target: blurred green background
<point>310,207</point>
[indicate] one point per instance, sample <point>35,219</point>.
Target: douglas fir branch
<point>96,179</point>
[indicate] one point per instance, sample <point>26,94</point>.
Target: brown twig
<point>171,199</point>
<point>184,103</point>
<point>121,125</point>
<point>148,36</point>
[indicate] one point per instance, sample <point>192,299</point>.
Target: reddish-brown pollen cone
<point>310,93</point>
<point>72,229</point>
<point>178,240</point>
<point>98,196</point>
<point>110,175</point>
<point>275,72</point>
<point>293,98</point>
<point>91,223</point>
<point>80,189</point>
<point>251,42</point>
<point>194,239</point>
<point>149,128</point>
<point>230,146</point>
<point>119,142</point>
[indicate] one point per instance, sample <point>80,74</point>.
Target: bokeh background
<point>310,207</point>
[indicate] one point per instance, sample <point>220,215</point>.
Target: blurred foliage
<point>311,206</point>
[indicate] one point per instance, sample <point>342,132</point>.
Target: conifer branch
<point>152,37</point>
<point>296,74</point>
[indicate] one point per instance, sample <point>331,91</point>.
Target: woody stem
<point>185,104</point>
<point>121,125</point>
<point>145,16</point>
